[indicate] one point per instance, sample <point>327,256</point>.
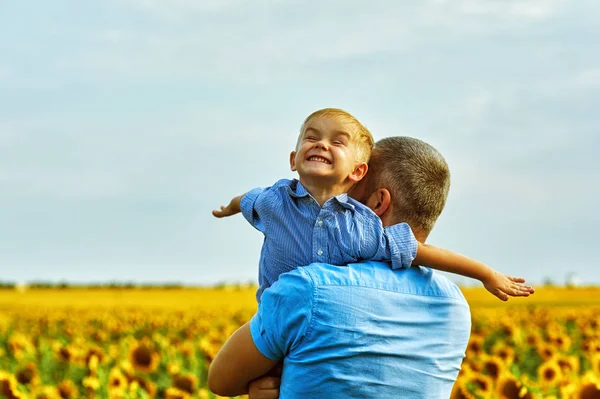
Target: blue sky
<point>124,123</point>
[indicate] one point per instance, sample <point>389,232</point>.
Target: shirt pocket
<point>345,242</point>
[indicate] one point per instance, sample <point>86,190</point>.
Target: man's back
<point>364,331</point>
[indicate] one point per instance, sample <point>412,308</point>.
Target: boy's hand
<point>225,211</point>
<point>264,388</point>
<point>231,209</point>
<point>504,286</point>
<point>267,386</point>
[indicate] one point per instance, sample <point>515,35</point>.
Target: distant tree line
<point>109,285</point>
<point>39,284</point>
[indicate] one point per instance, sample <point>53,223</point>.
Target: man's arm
<point>280,323</point>
<point>238,362</point>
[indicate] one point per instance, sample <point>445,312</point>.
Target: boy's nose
<point>321,144</point>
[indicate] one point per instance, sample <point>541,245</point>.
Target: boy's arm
<point>231,209</point>
<point>497,283</point>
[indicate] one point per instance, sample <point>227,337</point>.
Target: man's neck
<point>322,192</point>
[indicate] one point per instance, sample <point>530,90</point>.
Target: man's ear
<point>293,161</point>
<point>359,172</point>
<point>379,201</point>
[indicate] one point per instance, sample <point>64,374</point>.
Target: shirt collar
<point>297,190</point>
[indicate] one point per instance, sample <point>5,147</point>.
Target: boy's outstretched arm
<point>497,283</point>
<point>231,209</point>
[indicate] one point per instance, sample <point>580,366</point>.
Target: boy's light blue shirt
<point>363,331</point>
<point>298,231</point>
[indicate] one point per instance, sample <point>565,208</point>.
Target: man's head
<point>408,181</point>
<point>332,146</point>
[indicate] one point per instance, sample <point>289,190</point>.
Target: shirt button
<point>320,252</point>
<point>319,222</point>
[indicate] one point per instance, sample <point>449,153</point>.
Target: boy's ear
<point>293,161</point>
<point>359,172</point>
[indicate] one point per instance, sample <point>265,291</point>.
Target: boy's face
<point>326,152</point>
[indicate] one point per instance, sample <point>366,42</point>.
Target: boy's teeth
<point>319,159</point>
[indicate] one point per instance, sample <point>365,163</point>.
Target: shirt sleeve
<point>395,243</point>
<point>250,204</point>
<point>402,244</point>
<point>284,315</point>
<point>258,204</point>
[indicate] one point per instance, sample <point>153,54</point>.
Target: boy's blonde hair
<point>359,134</point>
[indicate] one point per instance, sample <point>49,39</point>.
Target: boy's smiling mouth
<point>316,158</point>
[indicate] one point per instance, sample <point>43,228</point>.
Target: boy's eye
<point>338,142</point>
<point>311,138</point>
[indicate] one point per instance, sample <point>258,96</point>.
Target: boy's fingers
<point>501,295</point>
<point>525,288</point>
<point>517,279</point>
<point>269,383</point>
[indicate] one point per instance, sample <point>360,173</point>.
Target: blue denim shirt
<point>298,231</point>
<point>363,331</point>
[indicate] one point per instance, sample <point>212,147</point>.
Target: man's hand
<point>504,286</point>
<point>264,388</point>
<point>231,209</point>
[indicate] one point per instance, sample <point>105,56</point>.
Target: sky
<point>124,123</point>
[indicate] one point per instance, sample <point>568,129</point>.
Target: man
<point>361,330</point>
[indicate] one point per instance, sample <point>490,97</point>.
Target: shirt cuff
<point>247,204</point>
<point>257,331</point>
<point>403,248</point>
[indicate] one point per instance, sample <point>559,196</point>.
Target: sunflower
<point>483,385</point>
<point>569,365</point>
<point>506,353</point>
<point>460,391</point>
<point>8,386</point>
<point>92,383</point>
<point>549,374</point>
<point>589,388</point>
<point>174,393</point>
<point>65,353</point>
<point>533,339</point>
<point>187,349</point>
<point>116,380</point>
<point>508,387</point>
<point>28,375</point>
<point>562,342</point>
<point>546,350</point>
<point>99,335</point>
<point>186,382</point>
<point>94,351</point>
<point>45,392</point>
<point>595,363</point>
<point>144,384</point>
<point>492,366</point>
<point>475,346</point>
<point>20,345</point>
<point>67,389</point>
<point>173,368</point>
<point>143,357</point>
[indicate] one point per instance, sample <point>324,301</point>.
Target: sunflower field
<point>158,343</point>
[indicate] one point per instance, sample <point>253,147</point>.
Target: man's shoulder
<point>415,280</point>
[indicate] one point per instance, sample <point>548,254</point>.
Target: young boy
<point>314,220</point>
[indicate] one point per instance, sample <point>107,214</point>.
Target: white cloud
<point>261,42</point>
<point>178,10</point>
<point>532,9</point>
<point>589,79</point>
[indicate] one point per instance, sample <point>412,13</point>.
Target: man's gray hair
<point>416,175</point>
